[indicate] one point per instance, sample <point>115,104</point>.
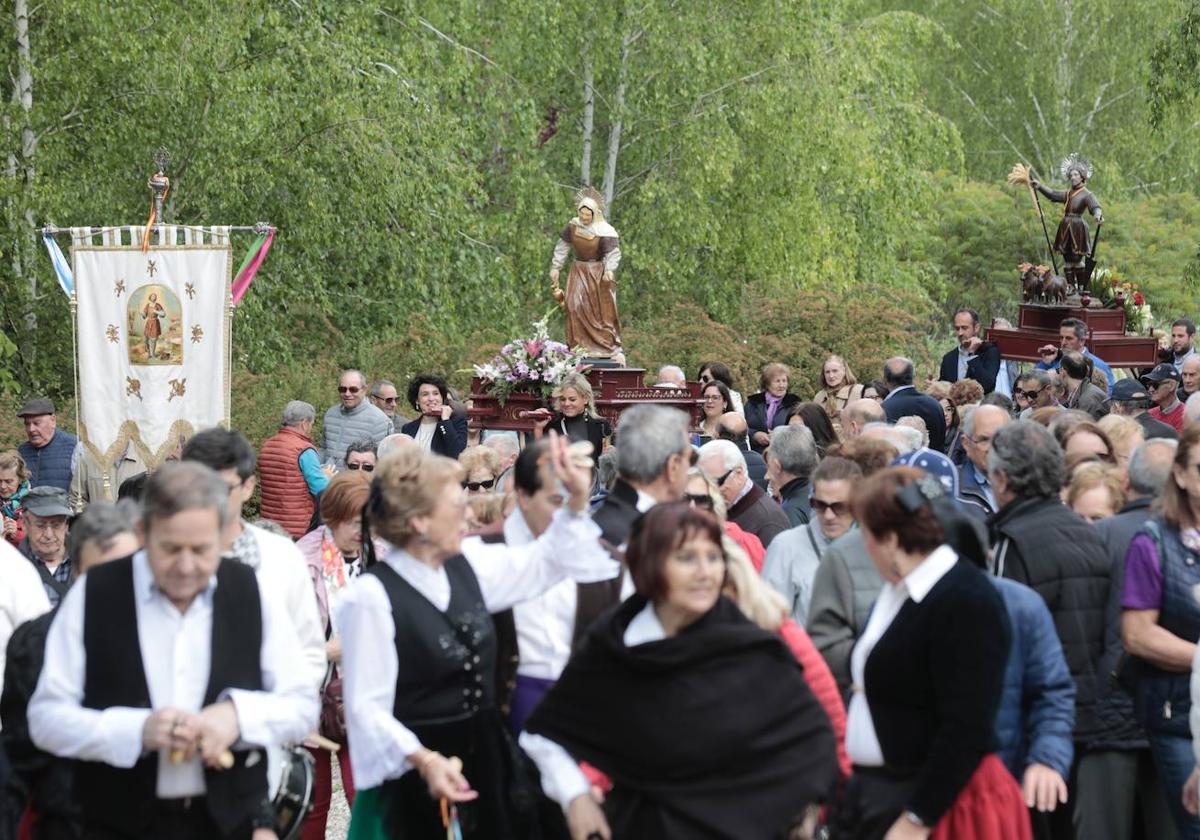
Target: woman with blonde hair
<point>1125,434</point>
<point>419,653</point>
<point>576,418</point>
<point>481,465</point>
<point>14,484</point>
<point>1096,491</point>
<point>838,386</point>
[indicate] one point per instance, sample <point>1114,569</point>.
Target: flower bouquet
<point>535,363</point>
<point>1117,292</point>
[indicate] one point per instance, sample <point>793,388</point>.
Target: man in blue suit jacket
<point>904,400</point>
<point>974,358</point>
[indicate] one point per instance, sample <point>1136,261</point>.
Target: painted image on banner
<point>155,326</point>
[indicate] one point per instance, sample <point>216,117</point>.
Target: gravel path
<point>339,812</point>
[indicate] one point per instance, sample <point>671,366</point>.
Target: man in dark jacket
<point>974,358</point>
<point>749,507</point>
<point>791,458</point>
<point>1131,399</point>
<point>1040,542</point>
<point>903,400</point>
<point>979,425</point>
<point>1077,382</point>
<point>1119,767</point>
<point>732,426</point>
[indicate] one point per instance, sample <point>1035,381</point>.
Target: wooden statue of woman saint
<point>590,298</point>
<point>1072,240</point>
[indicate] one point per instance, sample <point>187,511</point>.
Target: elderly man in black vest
<point>166,674</point>
<point>1040,542</point>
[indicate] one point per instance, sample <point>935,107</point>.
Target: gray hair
<point>898,372</point>
<point>362,446</point>
<point>101,523</point>
<point>1148,474</point>
<point>184,485</point>
<point>606,468</point>
<point>795,450</point>
<point>297,412</point>
<point>968,419</point>
<point>1191,409</point>
<point>672,371</point>
<point>729,452</point>
<point>393,443</point>
<point>362,380</point>
<point>1041,377</point>
<point>1031,459</point>
<point>647,436</point>
<point>504,445</point>
<point>380,383</point>
<point>905,438</point>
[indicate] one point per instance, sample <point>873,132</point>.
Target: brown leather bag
<point>333,711</point>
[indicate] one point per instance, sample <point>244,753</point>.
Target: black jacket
<point>984,368</point>
<point>1114,709</point>
<point>1152,428</point>
<point>449,438</point>
<point>934,681</point>
<point>615,516</point>
<point>756,415</point>
<point>1045,545</point>
<point>907,400</point>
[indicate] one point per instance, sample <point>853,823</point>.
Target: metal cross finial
<point>162,159</point>
<point>159,183</point>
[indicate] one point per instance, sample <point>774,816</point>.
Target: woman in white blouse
<point>419,653</point>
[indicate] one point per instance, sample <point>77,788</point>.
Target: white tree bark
<point>589,116</point>
<point>618,108</point>
<point>21,162</point>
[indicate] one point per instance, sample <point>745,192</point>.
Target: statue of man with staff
<point>1072,239</point>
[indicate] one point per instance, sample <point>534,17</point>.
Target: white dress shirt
<point>282,569</point>
<point>862,742</point>
<point>562,780</point>
<point>22,596</point>
<point>507,575</point>
<point>176,654</point>
<point>545,624</point>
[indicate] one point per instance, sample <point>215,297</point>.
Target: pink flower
<point>533,348</point>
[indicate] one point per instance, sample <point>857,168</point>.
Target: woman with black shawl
<point>703,721</point>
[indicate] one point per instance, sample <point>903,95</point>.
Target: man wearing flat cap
<point>1162,383</point>
<point>45,511</point>
<point>50,453</point>
<point>1132,399</point>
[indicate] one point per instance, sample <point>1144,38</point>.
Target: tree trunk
<point>589,114</point>
<point>618,107</point>
<point>21,165</point>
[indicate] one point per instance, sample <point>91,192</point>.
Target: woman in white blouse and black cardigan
<point>419,654</point>
<point>927,671</point>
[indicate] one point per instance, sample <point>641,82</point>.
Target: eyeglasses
<point>348,389</point>
<point>713,397</point>
<point>363,467</point>
<point>699,500</point>
<point>836,508</point>
<point>721,481</point>
<point>1029,395</point>
<point>476,486</point>
<point>388,400</point>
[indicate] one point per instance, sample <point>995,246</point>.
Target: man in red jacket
<point>290,472</point>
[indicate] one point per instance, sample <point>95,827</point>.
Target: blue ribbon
<point>65,278</point>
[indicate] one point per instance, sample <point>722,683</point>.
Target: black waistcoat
<point>119,799</point>
<point>447,661</point>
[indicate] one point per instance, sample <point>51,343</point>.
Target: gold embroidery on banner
<point>178,388</point>
<point>190,290</point>
<point>197,333</point>
<point>179,433</point>
<point>119,287</point>
<point>151,268</point>
<point>133,387</point>
<point>113,333</point>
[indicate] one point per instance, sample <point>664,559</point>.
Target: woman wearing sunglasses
<point>480,466</point>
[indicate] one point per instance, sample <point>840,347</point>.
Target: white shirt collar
<point>645,501</point>
<point>147,589</point>
<point>644,628</point>
<point>517,530</point>
<point>895,391</point>
<point>920,580</point>
<point>745,491</point>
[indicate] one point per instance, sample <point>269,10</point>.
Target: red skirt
<point>990,807</point>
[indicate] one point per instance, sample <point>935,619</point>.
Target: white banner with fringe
<point>153,337</point>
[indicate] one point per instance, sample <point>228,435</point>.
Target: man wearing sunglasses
<point>749,507</point>
<point>1033,391</point>
<point>361,455</point>
<point>794,556</point>
<point>383,395</point>
<point>352,419</point>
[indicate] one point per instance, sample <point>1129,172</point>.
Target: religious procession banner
<point>152,340</point>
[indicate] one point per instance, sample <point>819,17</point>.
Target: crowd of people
<point>963,608</point>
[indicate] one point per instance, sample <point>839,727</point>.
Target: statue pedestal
<point>616,389</point>
<point>1037,326</point>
